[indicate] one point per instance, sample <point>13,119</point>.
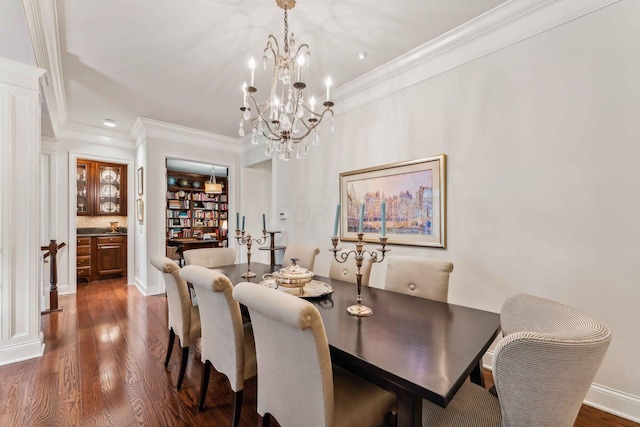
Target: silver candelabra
<point>242,240</point>
<point>359,253</point>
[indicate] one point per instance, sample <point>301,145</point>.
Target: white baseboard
<point>147,291</point>
<point>600,397</point>
<point>23,351</point>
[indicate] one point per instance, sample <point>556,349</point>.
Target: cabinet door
<point>111,255</point>
<point>111,189</point>
<point>84,197</point>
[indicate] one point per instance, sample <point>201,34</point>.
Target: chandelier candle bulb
<point>252,65</point>
<point>328,83</point>
<point>312,103</point>
<point>335,224</point>
<point>244,94</point>
<point>300,65</point>
<point>264,222</point>
<point>361,218</point>
<point>383,216</point>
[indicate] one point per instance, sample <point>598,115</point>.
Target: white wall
<point>62,155</point>
<point>157,151</point>
<point>542,144</point>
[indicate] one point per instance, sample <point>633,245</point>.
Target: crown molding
<point>42,21</point>
<point>94,135</point>
<point>496,29</point>
<point>144,128</point>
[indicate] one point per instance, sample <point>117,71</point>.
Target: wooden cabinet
<point>83,258</point>
<point>100,256</point>
<point>111,255</point>
<point>101,188</point>
<point>193,213</point>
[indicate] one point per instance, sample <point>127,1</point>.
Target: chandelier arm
<point>273,39</point>
<point>265,122</point>
<point>311,127</point>
<point>300,48</point>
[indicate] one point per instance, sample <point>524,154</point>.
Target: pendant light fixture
<point>211,186</point>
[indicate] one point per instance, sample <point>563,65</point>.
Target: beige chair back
<point>223,335</point>
<point>210,257</point>
<point>295,382</point>
<point>347,271</point>
<point>419,276</point>
<point>305,254</point>
<point>178,300</point>
<point>545,364</point>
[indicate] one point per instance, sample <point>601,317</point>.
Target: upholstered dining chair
<point>306,256</point>
<point>419,276</point>
<point>210,257</point>
<point>543,368</point>
<point>296,382</point>
<point>226,343</point>
<point>184,318</point>
<point>347,271</point>
<point>174,254</point>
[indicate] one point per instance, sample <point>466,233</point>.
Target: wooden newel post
<point>52,250</point>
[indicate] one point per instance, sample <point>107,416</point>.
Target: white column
<point>20,255</point>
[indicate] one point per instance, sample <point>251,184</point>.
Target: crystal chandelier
<point>287,121</point>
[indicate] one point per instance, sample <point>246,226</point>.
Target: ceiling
<point>184,63</point>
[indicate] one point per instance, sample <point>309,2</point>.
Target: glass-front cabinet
<point>84,191</point>
<point>101,188</point>
<point>110,189</point>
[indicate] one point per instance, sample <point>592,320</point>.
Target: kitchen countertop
<point>99,232</point>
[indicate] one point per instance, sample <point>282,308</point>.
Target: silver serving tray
<point>314,289</point>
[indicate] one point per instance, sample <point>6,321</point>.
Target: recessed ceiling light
<point>362,54</point>
<point>109,122</point>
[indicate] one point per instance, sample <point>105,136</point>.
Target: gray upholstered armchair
<point>543,368</point>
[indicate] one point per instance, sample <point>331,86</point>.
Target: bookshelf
<point>192,213</point>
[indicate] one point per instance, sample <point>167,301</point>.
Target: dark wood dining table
<point>418,348</point>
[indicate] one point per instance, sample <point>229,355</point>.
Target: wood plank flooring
<point>103,366</point>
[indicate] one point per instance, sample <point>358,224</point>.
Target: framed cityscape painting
<point>414,195</point>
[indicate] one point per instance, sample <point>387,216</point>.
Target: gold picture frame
<point>140,181</point>
<point>140,209</point>
<point>415,196</point>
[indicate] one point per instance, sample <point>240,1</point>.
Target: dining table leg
<point>476,375</point>
<point>409,409</point>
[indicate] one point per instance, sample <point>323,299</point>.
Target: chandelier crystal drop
<point>285,120</point>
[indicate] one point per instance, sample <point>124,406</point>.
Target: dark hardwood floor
<point>103,366</point>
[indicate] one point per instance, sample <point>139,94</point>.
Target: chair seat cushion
<point>471,406</point>
<point>357,401</point>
